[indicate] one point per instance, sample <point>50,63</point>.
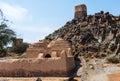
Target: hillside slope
<point>92,35</point>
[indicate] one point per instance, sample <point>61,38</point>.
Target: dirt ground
<point>111,72</point>
<point>114,76</point>
<point>34,79</point>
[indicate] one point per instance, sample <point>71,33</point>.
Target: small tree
<point>6,34</point>
<point>113,59</point>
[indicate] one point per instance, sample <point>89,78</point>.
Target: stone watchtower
<point>80,11</point>
<point>17,41</point>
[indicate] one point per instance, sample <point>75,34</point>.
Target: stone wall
<point>17,41</point>
<point>60,66</point>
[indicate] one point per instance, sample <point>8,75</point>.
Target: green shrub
<point>19,49</point>
<point>113,59</point>
<point>3,52</point>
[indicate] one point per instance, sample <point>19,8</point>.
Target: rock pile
<point>91,35</point>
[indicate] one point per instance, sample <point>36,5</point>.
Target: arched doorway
<point>47,56</point>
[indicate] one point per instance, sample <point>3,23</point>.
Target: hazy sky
<point>32,20</point>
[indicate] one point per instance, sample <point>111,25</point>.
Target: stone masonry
<point>17,41</point>
<point>80,11</point>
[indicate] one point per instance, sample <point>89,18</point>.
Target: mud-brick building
<point>52,49</point>
<point>42,59</point>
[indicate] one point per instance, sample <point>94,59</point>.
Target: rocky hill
<point>90,35</point>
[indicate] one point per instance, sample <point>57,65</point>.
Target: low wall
<point>36,67</point>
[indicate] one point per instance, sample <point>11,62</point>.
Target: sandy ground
<point>34,79</point>
<point>115,76</point>
<point>99,77</point>
<point>110,73</point>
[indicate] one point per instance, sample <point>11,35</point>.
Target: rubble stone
<point>102,25</point>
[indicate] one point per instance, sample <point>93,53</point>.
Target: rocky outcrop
<point>90,32</point>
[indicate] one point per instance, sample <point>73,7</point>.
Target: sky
<point>32,20</point>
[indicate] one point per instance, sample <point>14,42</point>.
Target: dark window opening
<point>47,56</point>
